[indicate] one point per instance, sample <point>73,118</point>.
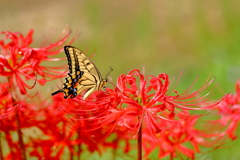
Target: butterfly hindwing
<point>87,82</point>
<point>73,59</point>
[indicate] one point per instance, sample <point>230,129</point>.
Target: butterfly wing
<point>78,61</point>
<point>91,77</point>
<point>83,74</point>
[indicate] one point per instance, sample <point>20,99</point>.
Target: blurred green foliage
<point>199,37</point>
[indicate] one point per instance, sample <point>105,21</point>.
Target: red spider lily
<point>229,110</point>
<point>181,138</point>
<point>150,104</point>
<point>18,59</point>
<point>51,136</point>
<point>130,104</point>
<point>7,103</point>
<point>86,137</point>
<point>14,122</point>
<point>54,136</point>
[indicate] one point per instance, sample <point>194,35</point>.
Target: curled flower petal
<point>18,59</point>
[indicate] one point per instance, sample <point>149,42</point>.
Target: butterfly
<point>83,75</point>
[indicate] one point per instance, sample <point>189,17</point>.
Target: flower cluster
<point>138,103</point>
<point>145,107</point>
<point>20,114</point>
<point>33,126</point>
<point>129,104</point>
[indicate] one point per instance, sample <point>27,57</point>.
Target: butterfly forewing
<point>73,61</point>
<point>86,65</point>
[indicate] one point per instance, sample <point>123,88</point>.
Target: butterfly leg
<point>56,92</point>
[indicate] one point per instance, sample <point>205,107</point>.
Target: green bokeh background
<point>200,37</point>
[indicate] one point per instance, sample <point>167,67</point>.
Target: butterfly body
<point>83,75</point>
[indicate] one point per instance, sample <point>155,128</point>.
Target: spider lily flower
<point>7,103</point>
<point>148,103</point>
<point>86,137</point>
<point>229,111</point>
<point>181,139</point>
<point>140,104</point>
<point>18,59</point>
<point>49,137</point>
<point>15,114</point>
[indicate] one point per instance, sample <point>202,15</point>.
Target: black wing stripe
<point>68,58</point>
<point>76,60</point>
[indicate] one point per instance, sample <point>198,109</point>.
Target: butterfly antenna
<point>109,72</point>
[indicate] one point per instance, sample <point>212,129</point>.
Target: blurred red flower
<point>180,139</point>
<point>18,59</point>
<point>7,103</point>
<point>20,62</point>
<point>138,104</point>
<point>91,139</point>
<point>229,111</point>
